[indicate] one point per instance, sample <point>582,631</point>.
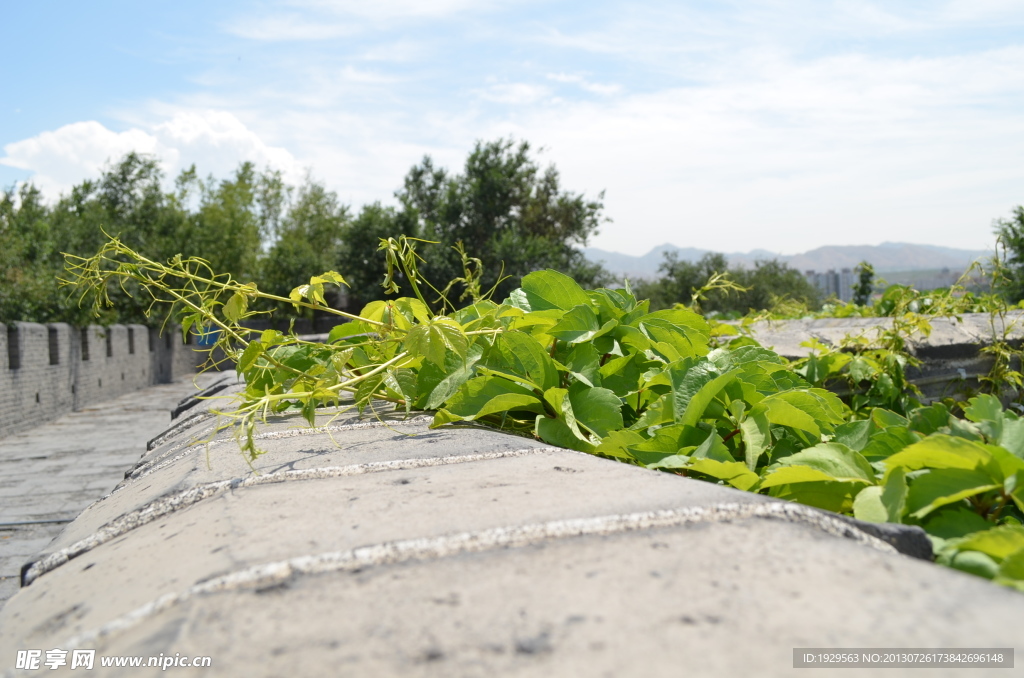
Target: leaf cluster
<point>598,371</point>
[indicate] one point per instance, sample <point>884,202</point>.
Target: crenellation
<point>49,370</point>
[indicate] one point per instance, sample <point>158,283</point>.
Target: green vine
<point>597,371</point>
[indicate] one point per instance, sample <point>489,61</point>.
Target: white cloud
<point>394,9</point>
<point>311,20</point>
<point>514,93</point>
<point>283,27</point>
<point>65,156</point>
<point>216,141</point>
<point>793,155</point>
<point>584,84</point>
<point>770,123</point>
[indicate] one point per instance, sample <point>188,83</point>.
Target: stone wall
<point>49,370</point>
<point>952,356</point>
<point>379,547</point>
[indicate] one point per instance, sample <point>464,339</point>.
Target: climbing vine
<point>597,371</point>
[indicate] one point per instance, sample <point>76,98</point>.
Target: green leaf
<point>965,429</point>
<point>788,475</point>
<point>854,434</point>
<point>999,542</point>
<point>861,369</point>
<point>783,413</point>
<point>584,363</point>
<point>939,451</point>
<point>699,402</point>
<point>884,444</point>
<point>344,330</point>
<point>939,487</point>
<point>883,419</point>
<point>598,409</point>
<point>401,382</point>
<point>1012,437</point>
<point>830,461</point>
<point>236,307</point>
<point>682,329</point>
<point>712,448</point>
<point>329,277</point>
<point>868,506</point>
<point>928,420</point>
<point>435,340</point>
<point>975,563</point>
<point>955,522</point>
<point>619,444</point>
<point>249,356</point>
<point>578,324</point>
<point>414,309</point>
<point>481,396</point>
<point>1011,570</point>
<point>986,411</point>
<point>755,432</point>
<point>733,472</point>
<point>520,354</point>
<point>882,503</point>
<point>552,290</point>
<point>436,384</point>
<point>831,495</point>
<point>556,432</point>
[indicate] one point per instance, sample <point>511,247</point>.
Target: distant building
<point>833,284</point>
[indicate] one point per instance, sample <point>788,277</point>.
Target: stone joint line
<point>434,548</point>
<point>143,470</point>
<point>168,504</point>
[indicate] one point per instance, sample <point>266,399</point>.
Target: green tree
<point>768,282</point>
<point>507,211</point>
<point>1010,233</point>
<point>309,242</point>
<point>226,229</point>
<point>361,260</point>
<point>680,279</point>
<point>30,260</point>
<point>865,283</point>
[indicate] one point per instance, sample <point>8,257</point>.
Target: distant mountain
<point>889,256</point>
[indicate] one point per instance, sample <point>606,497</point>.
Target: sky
<point>781,125</point>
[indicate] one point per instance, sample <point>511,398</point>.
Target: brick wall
<point>49,370</point>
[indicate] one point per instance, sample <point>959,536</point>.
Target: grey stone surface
<point>949,337</point>
<point>383,548</point>
<point>951,355</point>
<point>53,471</point>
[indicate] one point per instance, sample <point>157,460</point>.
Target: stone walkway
<point>49,474</point>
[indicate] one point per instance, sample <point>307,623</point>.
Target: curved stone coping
<point>176,429</point>
<point>147,468</point>
<point>388,553</point>
<point>169,504</point>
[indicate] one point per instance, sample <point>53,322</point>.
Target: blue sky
<point>782,125</point>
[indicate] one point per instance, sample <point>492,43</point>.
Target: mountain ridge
<point>885,257</point>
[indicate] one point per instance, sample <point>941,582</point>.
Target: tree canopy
<point>1010,233</point>
<point>505,209</point>
<point>766,283</point>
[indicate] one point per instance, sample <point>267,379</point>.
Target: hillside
<point>885,257</point>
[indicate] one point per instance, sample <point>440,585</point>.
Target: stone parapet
<point>953,355</point>
<point>49,370</point>
<point>377,546</point>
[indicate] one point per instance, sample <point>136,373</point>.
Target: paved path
<point>49,474</point>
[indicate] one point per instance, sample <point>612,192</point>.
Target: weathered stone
<point>380,547</point>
